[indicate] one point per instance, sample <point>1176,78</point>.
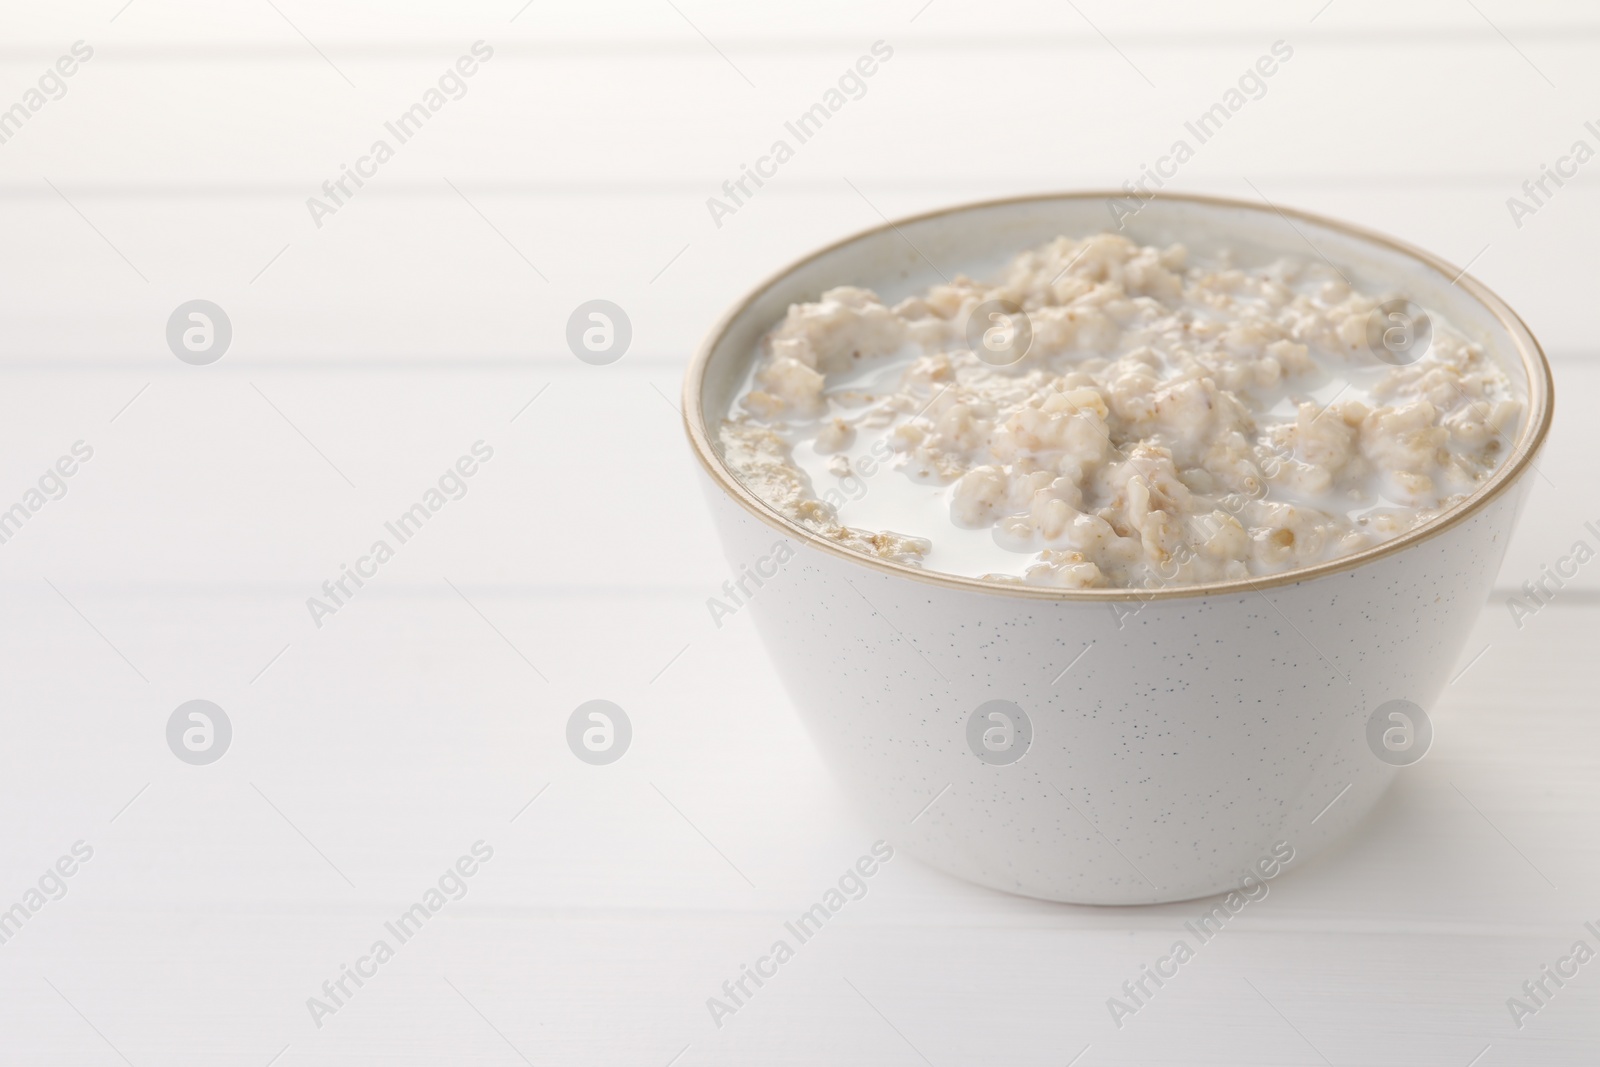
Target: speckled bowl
<point>1110,746</point>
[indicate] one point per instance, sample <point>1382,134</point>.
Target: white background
<point>371,352</point>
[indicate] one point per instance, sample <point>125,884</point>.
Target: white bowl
<point>1206,725</point>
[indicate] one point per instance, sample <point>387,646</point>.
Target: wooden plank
<point>497,274</point>
<point>234,475</point>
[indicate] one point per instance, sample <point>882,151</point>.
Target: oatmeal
<point>1147,419</point>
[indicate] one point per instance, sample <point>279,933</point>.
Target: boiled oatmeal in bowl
<point>1105,413</point>
<point>1092,554</point>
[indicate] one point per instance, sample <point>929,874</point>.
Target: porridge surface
<point>1172,421</point>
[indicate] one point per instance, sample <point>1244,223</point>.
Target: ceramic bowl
<point>1115,746</point>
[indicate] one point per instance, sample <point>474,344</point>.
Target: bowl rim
<point>1535,430</point>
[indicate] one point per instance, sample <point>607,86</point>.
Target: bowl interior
<point>906,257</point>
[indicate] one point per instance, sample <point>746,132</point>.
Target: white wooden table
<point>428,713</point>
